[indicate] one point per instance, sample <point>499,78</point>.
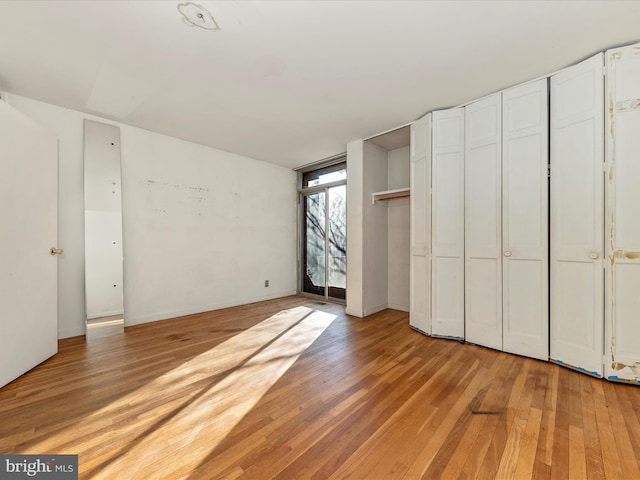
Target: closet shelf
<point>390,195</point>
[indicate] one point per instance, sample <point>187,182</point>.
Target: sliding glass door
<point>314,244</point>
<point>324,240</point>
<point>337,243</point>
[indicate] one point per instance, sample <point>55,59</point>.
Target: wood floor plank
<point>417,415</point>
<point>593,451</point>
<point>632,424</point>
<point>495,409</point>
<point>560,453</point>
<point>293,388</point>
<point>545,441</point>
<point>464,458</point>
<point>621,427</point>
<point>577,455</point>
<point>510,458</point>
<point>610,457</point>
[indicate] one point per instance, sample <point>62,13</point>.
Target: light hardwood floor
<point>293,388</point>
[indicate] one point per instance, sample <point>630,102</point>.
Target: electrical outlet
<point>266,283</point>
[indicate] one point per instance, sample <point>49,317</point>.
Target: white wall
<point>203,228</point>
<point>398,171</point>
<point>398,231</point>
<point>355,228</point>
<point>375,244</point>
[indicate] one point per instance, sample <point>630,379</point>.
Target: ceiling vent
<point>196,15</point>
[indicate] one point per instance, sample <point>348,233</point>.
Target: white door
<point>622,284</point>
<point>447,224</point>
<point>419,310</point>
<point>28,272</point>
<point>525,263</point>
<point>483,226</point>
<point>577,216</point>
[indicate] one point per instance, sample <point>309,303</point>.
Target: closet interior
<point>386,180</point>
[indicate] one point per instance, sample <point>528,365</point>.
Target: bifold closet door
<point>447,224</point>
<point>577,216</point>
<point>483,225</point>
<point>525,267</point>
<point>622,230</point>
<point>420,271</point>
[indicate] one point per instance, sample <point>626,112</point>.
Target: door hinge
<point>548,170</point>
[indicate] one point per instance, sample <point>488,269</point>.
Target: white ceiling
<point>291,82</point>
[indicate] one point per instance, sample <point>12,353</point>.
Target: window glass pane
<point>314,243</point>
<point>325,175</point>
<point>337,271</point>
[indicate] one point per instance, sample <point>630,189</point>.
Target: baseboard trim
<point>156,316</point>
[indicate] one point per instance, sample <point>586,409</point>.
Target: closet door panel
<point>447,247</point>
<point>483,224</point>
<point>577,216</point>
<point>420,235</point>
<point>525,220</point>
<point>623,213</point>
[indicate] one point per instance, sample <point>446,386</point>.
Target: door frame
<point>302,193</point>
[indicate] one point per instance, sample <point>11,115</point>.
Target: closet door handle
<point>593,255</point>
<point>507,253</point>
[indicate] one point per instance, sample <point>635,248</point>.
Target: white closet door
<point>483,228</point>
<point>622,284</point>
<point>447,217</point>
<point>525,267</point>
<point>577,216</point>
<point>419,310</point>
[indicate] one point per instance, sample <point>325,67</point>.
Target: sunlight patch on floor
<point>203,400</point>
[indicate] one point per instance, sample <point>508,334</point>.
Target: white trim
<point>397,306</point>
<point>327,162</point>
<point>371,311</point>
<point>152,317</point>
<point>388,131</point>
<point>71,332</point>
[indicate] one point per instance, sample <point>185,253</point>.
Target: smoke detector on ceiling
<point>196,15</point>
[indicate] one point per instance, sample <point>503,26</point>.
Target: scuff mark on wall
<point>611,116</point>
<point>177,199</point>
<point>633,370</point>
<point>627,105</point>
<point>620,366</point>
<point>612,231</point>
<point>611,172</point>
<point>627,255</point>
